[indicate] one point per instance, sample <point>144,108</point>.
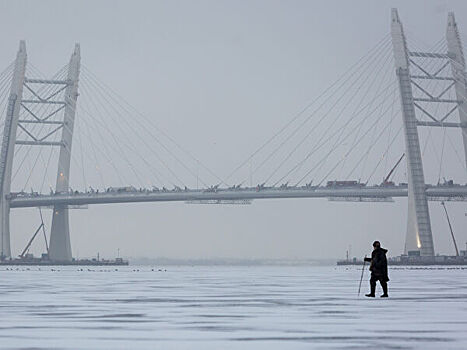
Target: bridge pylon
<point>60,247</point>
<point>456,57</point>
<point>419,235</point>
<point>8,147</point>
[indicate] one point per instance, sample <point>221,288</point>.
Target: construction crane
<point>450,228</point>
<point>25,250</point>
<point>388,176</point>
<point>41,226</point>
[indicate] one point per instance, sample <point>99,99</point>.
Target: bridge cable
<point>348,152</point>
<point>328,153</point>
<point>366,115</point>
<point>117,143</point>
<point>365,155</point>
<point>351,70</point>
<point>105,88</point>
<point>364,83</point>
<point>148,146</point>
<point>321,143</point>
<point>387,149</point>
<point>323,117</point>
<point>143,140</point>
<point>133,149</point>
<point>318,145</point>
<point>86,106</point>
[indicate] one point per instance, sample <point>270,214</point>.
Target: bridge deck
<point>370,192</point>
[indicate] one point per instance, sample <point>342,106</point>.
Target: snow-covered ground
<point>230,308</point>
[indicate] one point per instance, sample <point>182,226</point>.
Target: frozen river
<point>230,308</point>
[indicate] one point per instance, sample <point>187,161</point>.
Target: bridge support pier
<point>60,246</point>
<point>419,236</point>
<point>8,147</point>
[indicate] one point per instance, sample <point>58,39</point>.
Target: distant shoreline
<point>232,262</point>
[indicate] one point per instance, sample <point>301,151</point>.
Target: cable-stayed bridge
<point>335,148</point>
<point>223,196</point>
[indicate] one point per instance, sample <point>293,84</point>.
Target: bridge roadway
<point>367,193</point>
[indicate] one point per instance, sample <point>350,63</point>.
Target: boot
<point>385,290</point>
<point>372,289</point>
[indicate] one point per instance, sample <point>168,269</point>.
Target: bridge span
<point>359,194</point>
<point>432,85</point>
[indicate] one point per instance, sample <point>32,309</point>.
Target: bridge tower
<point>60,247</point>
<point>419,236</point>
<point>8,146</point>
<point>456,56</point>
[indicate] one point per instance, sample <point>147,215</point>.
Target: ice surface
<point>230,308</point>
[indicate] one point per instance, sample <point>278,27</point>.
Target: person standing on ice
<point>379,270</point>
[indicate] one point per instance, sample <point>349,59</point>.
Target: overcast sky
<point>221,77</point>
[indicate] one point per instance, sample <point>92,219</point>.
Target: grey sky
<point>221,77</point>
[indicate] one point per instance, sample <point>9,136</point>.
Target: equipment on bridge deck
<point>221,201</point>
<point>69,206</point>
<point>361,199</point>
<point>345,183</point>
<point>448,199</point>
<point>122,189</point>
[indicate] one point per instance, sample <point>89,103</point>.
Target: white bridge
<point>52,104</point>
<point>365,194</point>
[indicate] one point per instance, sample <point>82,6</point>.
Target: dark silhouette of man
<point>379,270</point>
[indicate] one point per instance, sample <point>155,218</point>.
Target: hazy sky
<point>221,77</point>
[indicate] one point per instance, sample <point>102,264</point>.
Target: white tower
<point>456,56</point>
<point>60,246</point>
<point>419,236</point>
<point>8,147</point>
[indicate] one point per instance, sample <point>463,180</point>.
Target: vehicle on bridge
<point>212,189</point>
<point>16,195</point>
<point>448,183</point>
<point>124,189</point>
<point>345,183</point>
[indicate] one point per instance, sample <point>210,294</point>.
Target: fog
<point>222,77</point>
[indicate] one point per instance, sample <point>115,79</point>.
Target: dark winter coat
<point>379,264</point>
